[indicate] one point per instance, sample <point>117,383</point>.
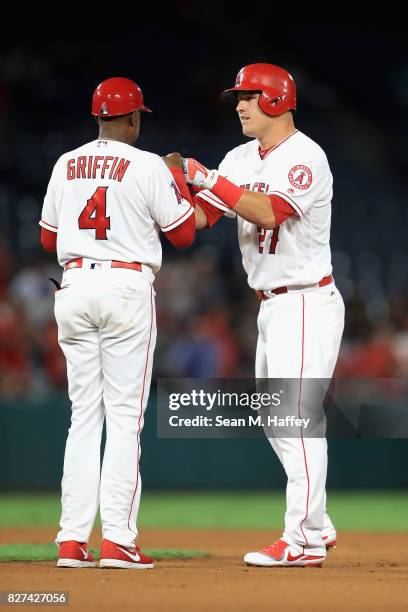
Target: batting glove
<point>198,175</point>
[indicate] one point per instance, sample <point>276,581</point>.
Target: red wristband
<point>228,192</point>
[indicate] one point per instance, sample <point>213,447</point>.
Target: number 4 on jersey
<point>94,216</point>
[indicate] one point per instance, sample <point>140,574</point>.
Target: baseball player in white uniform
<point>279,186</point>
<point>105,204</point>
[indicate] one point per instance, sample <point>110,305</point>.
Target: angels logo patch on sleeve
<point>177,192</point>
<point>300,177</point>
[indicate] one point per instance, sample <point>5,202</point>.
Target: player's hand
<point>198,175</point>
<point>173,160</point>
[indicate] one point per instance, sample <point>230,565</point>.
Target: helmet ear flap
<point>262,105</point>
<point>268,105</point>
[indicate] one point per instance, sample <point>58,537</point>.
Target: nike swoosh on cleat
<point>135,557</point>
<point>290,558</point>
<point>85,553</point>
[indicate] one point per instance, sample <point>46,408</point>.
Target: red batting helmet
<point>275,84</point>
<point>117,96</point>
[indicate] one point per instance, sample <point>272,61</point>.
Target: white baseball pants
<point>107,331</point>
<point>299,337</point>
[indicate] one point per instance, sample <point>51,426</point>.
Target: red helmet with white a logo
<point>275,84</point>
<point>117,96</point>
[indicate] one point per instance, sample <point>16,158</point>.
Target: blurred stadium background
<point>353,97</point>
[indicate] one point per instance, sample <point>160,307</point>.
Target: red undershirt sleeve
<point>281,209</point>
<point>212,213</point>
<point>48,240</point>
<point>182,236</point>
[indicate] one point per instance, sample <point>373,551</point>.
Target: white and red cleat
<point>117,556</point>
<point>281,554</point>
<point>330,540</point>
<point>74,554</point>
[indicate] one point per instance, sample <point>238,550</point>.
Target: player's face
<point>254,122</point>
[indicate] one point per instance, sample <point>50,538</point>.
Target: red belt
<point>262,296</point>
<point>77,263</point>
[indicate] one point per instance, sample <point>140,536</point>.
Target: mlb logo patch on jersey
<point>300,177</point>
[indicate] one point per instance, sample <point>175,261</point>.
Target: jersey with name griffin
<point>298,251</point>
<point>108,200</point>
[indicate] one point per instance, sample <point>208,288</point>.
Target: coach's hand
<point>173,160</point>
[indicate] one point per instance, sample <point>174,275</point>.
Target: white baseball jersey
<point>107,200</point>
<point>297,252</point>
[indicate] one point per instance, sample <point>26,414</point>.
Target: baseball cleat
<point>280,554</point>
<point>330,540</point>
<point>122,557</point>
<point>74,554</point>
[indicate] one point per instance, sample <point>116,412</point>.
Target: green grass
<point>378,511</point>
<point>49,552</point>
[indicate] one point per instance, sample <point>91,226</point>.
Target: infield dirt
<point>367,572</point>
